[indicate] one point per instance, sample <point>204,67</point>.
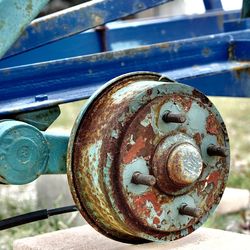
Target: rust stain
<point>198,138</point>
<point>141,203</point>
<point>156,221</point>
<point>206,52</point>
<point>202,97</point>
<point>185,102</point>
<point>213,178</point>
<point>134,150</point>
<point>212,125</point>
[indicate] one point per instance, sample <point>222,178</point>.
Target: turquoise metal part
<point>15,15</point>
<point>122,132</point>
<point>58,146</point>
<point>26,153</point>
<point>41,119</point>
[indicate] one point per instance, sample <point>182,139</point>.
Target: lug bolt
<point>214,150</point>
<point>190,211</point>
<point>144,179</point>
<point>176,118</point>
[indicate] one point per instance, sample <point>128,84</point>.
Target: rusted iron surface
<point>121,132</point>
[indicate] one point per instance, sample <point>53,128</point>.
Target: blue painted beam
<point>77,19</point>
<point>77,78</point>
<point>241,49</point>
<point>81,44</point>
<point>132,34</point>
<point>15,15</point>
<point>213,4</point>
<point>238,24</point>
<point>125,35</point>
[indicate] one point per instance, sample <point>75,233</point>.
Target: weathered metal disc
<point>121,131</point>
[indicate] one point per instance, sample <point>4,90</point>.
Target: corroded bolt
<point>214,150</point>
<point>184,209</point>
<point>144,179</point>
<point>176,118</point>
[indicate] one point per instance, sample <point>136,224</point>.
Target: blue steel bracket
<point>26,153</point>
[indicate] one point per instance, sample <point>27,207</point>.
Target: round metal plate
<point>121,131</point>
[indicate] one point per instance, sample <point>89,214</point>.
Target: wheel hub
<point>146,159</point>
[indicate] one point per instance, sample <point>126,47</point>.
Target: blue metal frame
<point>43,32</point>
<point>212,64</point>
<point>213,5</point>
<point>125,35</point>
<point>77,19</point>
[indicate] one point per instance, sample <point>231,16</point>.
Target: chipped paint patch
<point>212,125</point>
<point>134,150</point>
<point>115,134</point>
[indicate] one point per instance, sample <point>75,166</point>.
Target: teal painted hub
<point>140,127</point>
<point>23,152</point>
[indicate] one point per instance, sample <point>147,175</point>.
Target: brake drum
<point>148,159</point>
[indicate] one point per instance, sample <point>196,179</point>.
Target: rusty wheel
<point>148,159</point>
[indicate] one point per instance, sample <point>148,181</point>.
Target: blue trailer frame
<point>212,59</point>
<point>121,35</point>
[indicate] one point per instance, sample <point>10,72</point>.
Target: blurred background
<point>53,191</point>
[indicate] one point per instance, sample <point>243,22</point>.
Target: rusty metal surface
<point>120,132</point>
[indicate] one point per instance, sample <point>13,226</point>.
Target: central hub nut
<point>184,164</point>
<point>177,164</point>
